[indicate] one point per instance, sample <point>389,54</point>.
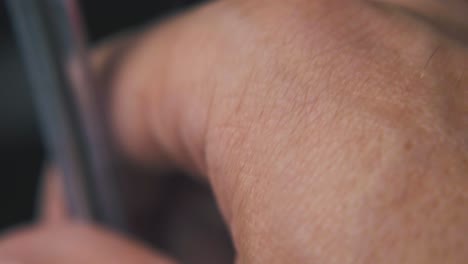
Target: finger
<point>74,243</point>
<point>159,103</point>
<point>52,206</point>
<point>162,87</point>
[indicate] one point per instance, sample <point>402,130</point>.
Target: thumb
<point>165,87</point>
<point>157,98</point>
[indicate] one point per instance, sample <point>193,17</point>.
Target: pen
<point>52,44</point>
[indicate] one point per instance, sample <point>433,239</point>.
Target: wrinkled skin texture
<point>329,131</point>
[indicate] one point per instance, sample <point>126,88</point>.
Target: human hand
<point>330,131</point>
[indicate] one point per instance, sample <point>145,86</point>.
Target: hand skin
<point>330,131</point>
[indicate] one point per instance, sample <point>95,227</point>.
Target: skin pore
<point>329,131</point>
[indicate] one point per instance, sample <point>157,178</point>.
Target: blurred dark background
<point>21,151</point>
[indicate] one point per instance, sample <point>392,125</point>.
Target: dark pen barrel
<point>53,48</point>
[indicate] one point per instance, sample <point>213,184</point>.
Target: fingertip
<point>74,243</point>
